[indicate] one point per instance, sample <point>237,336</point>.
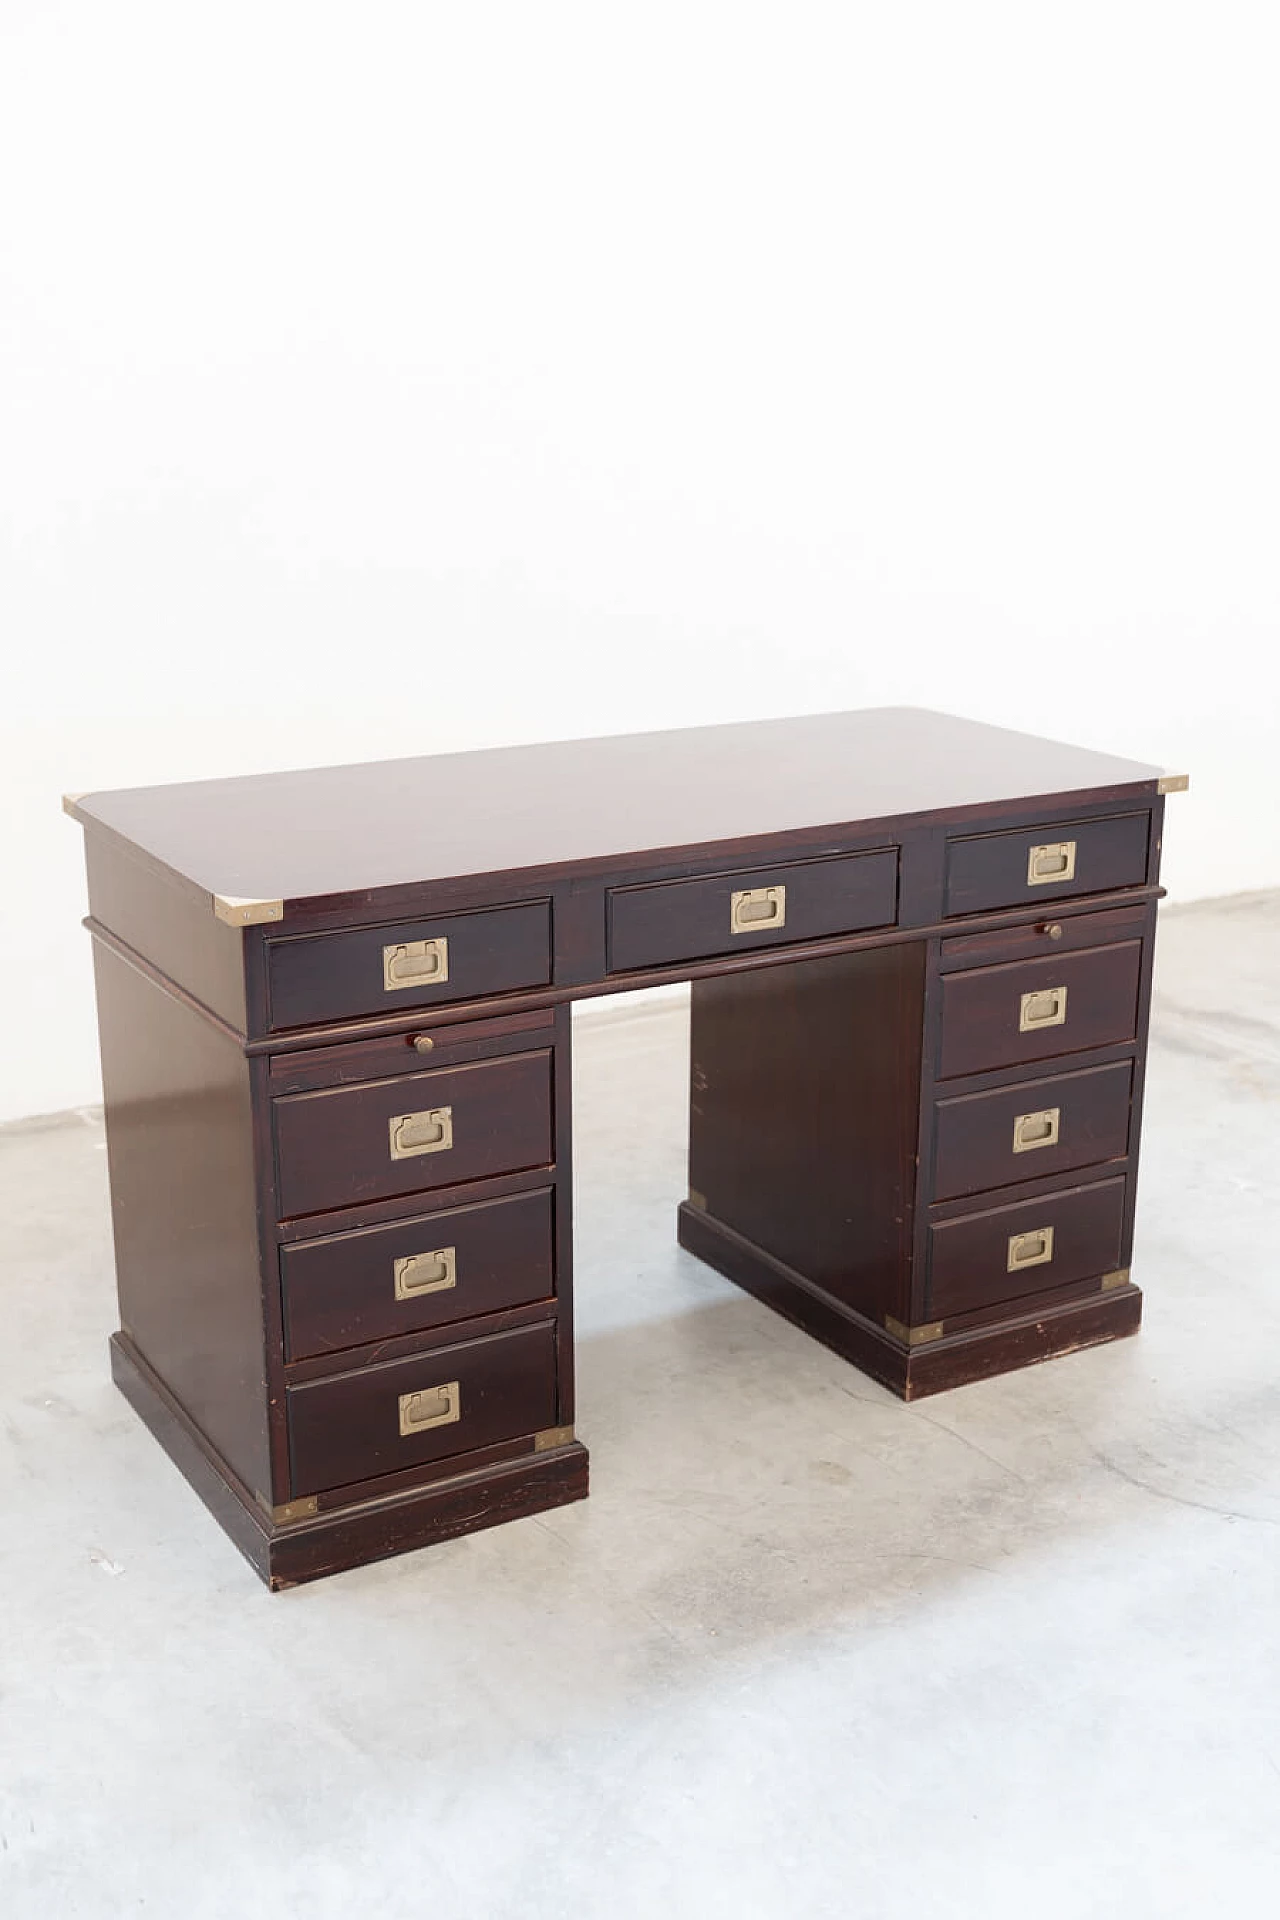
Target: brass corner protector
<point>552,1437</point>
<point>1173,783</point>
<point>239,912</point>
<point>698,1200</point>
<point>1120,1278</point>
<point>913,1336</point>
<point>295,1510</point>
<point>71,804</point>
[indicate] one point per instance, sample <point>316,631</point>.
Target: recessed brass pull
<point>757,908</point>
<point>1030,1249</point>
<point>431,1407</point>
<point>415,963</point>
<point>426,1273</point>
<point>1048,1008</point>
<point>1057,861</point>
<point>1032,1130</point>
<point>427,1132</point>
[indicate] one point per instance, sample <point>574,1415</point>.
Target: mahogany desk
<point>334,1018</point>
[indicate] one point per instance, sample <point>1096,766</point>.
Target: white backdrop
<point>390,378</point>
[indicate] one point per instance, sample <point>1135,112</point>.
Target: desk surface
<point>334,830</point>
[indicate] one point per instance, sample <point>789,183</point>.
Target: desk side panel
<point>180,1147</point>
<point>169,923</point>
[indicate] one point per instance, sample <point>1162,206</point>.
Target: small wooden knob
<point>423,1043</point>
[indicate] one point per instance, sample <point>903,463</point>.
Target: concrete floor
<point>805,1651</point>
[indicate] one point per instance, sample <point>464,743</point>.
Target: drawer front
<point>1039,864</point>
<point>345,1145</point>
<point>414,1274</point>
<point>985,1258</point>
<point>1002,1016</point>
<point>356,1426</point>
<point>986,1140</point>
<point>417,963</point>
<point>679,920</point>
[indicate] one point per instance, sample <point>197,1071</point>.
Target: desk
<point>334,1020</point>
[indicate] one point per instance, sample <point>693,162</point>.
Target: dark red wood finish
<point>255,1070</point>
<point>990,870</point>
<point>339,1289</point>
<point>335,976</point>
<point>689,919</point>
<point>1066,930</point>
<point>339,836</point>
<point>975,1134</point>
<point>347,1428</point>
<point>308,1546</point>
<point>981,1008</point>
<point>802,1119</point>
<point>1024,1334</point>
<point>333,1146</point>
<point>161,915</point>
<point>184,1210</point>
<point>426,1044</point>
<point>968,1264</point>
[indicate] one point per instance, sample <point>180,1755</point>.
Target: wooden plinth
<point>911,1372</point>
<point>286,1555</point>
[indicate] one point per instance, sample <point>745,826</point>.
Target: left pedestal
<point>343,1261</point>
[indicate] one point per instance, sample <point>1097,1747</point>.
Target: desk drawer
<point>1039,864</point>
<point>677,920</point>
<point>341,1146</point>
<point>356,1426</point>
<point>986,1140</point>
<point>379,1282</point>
<point>1033,1009</point>
<point>315,977</point>
<point>983,1259</point>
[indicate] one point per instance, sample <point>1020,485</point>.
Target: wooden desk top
<point>339,830</point>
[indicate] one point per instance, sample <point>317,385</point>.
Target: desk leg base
<point>911,1372</point>
<point>326,1543</point>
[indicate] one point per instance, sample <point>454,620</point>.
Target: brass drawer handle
<point>426,1273</point>
<point>756,908</point>
<point>427,1132</point>
<point>1056,861</point>
<point>1048,1008</point>
<point>430,1407</point>
<point>1030,1249</point>
<point>1032,1130</point>
<point>415,963</point>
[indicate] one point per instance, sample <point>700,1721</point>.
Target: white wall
<point>389,378</point>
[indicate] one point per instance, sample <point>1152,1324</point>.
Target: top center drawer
<point>676,920</point>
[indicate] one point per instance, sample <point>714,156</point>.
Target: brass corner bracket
<point>552,1437</point>
<point>1173,783</point>
<point>295,1510</point>
<point>240,912</point>
<point>1120,1278</point>
<point>913,1336</point>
